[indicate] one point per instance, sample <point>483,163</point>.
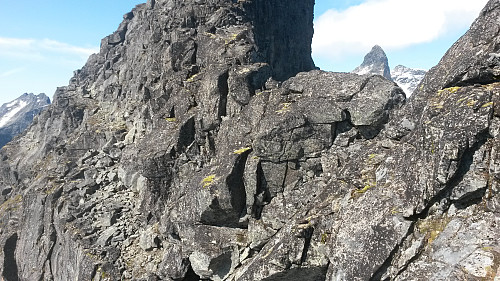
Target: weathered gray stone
<point>193,147</point>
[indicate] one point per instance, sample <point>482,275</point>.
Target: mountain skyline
<point>377,63</point>
<point>43,45</point>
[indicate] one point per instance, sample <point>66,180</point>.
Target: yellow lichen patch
<point>263,92</point>
<point>487,104</point>
<point>461,100</point>
<point>208,181</point>
<point>192,78</point>
<point>285,107</point>
<point>438,105</point>
<point>324,238</point>
<point>211,35</point>
<point>471,103</point>
<point>491,86</point>
<point>11,203</point>
<point>395,210</point>
<point>242,150</point>
<point>451,90</point>
<point>231,38</point>
<point>432,227</point>
<point>268,253</point>
<point>368,186</point>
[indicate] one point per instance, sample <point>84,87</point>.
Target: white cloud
<point>392,24</point>
<point>11,72</point>
<point>56,46</point>
<point>40,49</point>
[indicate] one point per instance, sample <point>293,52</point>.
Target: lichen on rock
<point>201,144</point>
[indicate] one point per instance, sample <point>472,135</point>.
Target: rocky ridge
<point>195,146</point>
<point>18,114</point>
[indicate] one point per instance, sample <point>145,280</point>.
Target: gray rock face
<point>375,63</point>
<point>18,114</point>
<point>189,149</point>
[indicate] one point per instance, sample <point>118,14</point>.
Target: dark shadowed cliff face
<point>192,148</point>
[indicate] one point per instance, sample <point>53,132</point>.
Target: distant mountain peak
<point>17,115</point>
<point>375,63</point>
<point>407,78</point>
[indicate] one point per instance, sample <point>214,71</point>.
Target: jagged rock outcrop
<point>407,78</point>
<point>18,114</point>
<point>375,63</point>
<point>194,146</point>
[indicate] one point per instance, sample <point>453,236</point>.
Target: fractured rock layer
<point>196,146</point>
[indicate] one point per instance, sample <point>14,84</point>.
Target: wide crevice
<point>262,195</point>
<point>315,273</point>
<point>221,265</point>
<point>53,239</point>
<point>10,269</point>
<point>484,77</point>
<point>187,134</point>
<point>190,274</point>
<point>307,244</point>
<point>216,215</point>
<point>235,183</point>
<point>223,87</point>
<point>472,198</point>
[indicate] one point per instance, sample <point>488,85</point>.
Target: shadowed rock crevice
<point>307,235</point>
<point>191,275</point>
<point>300,274</point>
<point>187,135</point>
<point>10,269</point>
<point>236,185</point>
<point>262,195</point>
<point>223,88</point>
<point>382,270</point>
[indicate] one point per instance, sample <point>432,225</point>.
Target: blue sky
<point>43,42</point>
<point>415,33</point>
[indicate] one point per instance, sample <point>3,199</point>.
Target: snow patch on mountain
<point>18,114</point>
<point>407,78</point>
<point>13,108</point>
<point>363,70</point>
<point>377,63</point>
